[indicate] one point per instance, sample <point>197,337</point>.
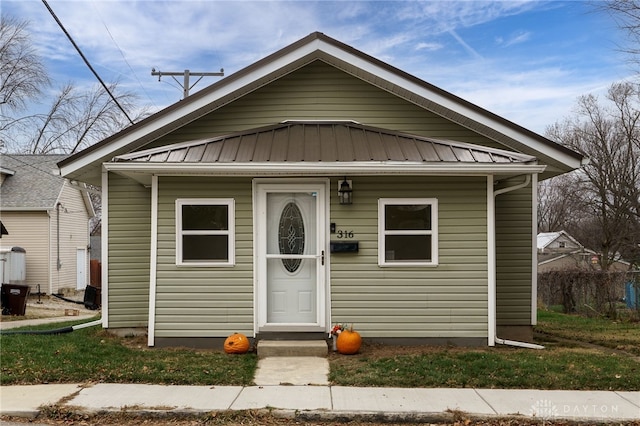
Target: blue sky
<point>527,61</point>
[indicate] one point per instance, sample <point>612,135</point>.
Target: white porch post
<point>153,266</point>
<point>491,262</point>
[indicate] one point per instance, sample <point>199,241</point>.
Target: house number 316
<point>344,234</point>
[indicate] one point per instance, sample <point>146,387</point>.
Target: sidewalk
<point>326,402</point>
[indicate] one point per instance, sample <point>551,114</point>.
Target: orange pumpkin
<point>237,343</point>
<point>348,342</point>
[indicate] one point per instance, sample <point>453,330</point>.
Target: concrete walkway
<point>7,325</point>
<point>291,370</point>
<point>326,402</point>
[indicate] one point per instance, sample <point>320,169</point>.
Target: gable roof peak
<point>85,165</point>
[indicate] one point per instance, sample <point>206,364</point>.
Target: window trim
<point>382,232</point>
<point>230,232</point>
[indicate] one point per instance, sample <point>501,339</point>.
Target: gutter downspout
<point>493,327</point>
<point>58,262</point>
<point>49,251</point>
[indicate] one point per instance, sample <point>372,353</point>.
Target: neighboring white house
<point>559,251</point>
<point>48,217</point>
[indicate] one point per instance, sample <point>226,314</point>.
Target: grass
<point>560,365</point>
<point>620,335</point>
<point>93,355</point>
<point>506,368</point>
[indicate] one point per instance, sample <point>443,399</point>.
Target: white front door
<point>81,269</point>
<point>291,259</point>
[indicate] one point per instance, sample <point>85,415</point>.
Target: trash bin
<point>92,297</point>
<point>632,295</point>
<point>14,299</point>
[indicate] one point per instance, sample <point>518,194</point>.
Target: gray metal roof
<point>35,184</point>
<point>323,142</point>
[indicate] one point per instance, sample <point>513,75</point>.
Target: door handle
<point>322,257</point>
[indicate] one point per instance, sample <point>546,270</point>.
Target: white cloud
<point>428,46</point>
<point>518,38</point>
<point>434,40</point>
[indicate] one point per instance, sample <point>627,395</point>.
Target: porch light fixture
<point>345,191</point>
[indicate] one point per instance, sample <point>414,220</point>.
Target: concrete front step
<point>270,348</point>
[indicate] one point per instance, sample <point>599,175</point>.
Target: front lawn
<point>93,355</point>
<point>561,365</point>
<point>555,367</point>
<point>621,335</point>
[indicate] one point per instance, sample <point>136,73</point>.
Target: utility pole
<point>186,73</point>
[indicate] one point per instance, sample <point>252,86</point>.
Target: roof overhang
<point>143,172</point>
<point>27,209</point>
<point>6,172</point>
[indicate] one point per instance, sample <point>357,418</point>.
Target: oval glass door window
<point>291,235</point>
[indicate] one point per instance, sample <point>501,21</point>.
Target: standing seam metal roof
<point>323,142</point>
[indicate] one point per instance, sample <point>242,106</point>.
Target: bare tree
<point>559,204</point>
<point>606,218</point>
<point>626,14</point>
<point>23,76</point>
<point>71,120</point>
<point>22,72</point>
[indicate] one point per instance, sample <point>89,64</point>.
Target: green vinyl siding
<point>319,91</point>
<point>449,300</point>
<point>514,253</point>
<point>204,301</point>
<point>129,234</point>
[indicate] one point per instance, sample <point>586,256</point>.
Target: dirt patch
<point>380,350</point>
<point>48,306</point>
<point>261,418</point>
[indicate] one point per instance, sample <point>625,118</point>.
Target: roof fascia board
<point>553,259</point>
<point>84,194</point>
<point>570,238</point>
<point>26,209</point>
<point>332,169</point>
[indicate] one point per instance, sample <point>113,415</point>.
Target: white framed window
<point>407,232</point>
<point>205,232</point>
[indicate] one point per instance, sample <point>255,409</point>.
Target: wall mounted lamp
<point>345,191</point>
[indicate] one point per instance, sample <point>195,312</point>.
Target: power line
<point>122,53</point>
<point>113,98</point>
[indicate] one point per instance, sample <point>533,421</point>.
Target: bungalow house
<point>317,186</point>
<point>48,217</point>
